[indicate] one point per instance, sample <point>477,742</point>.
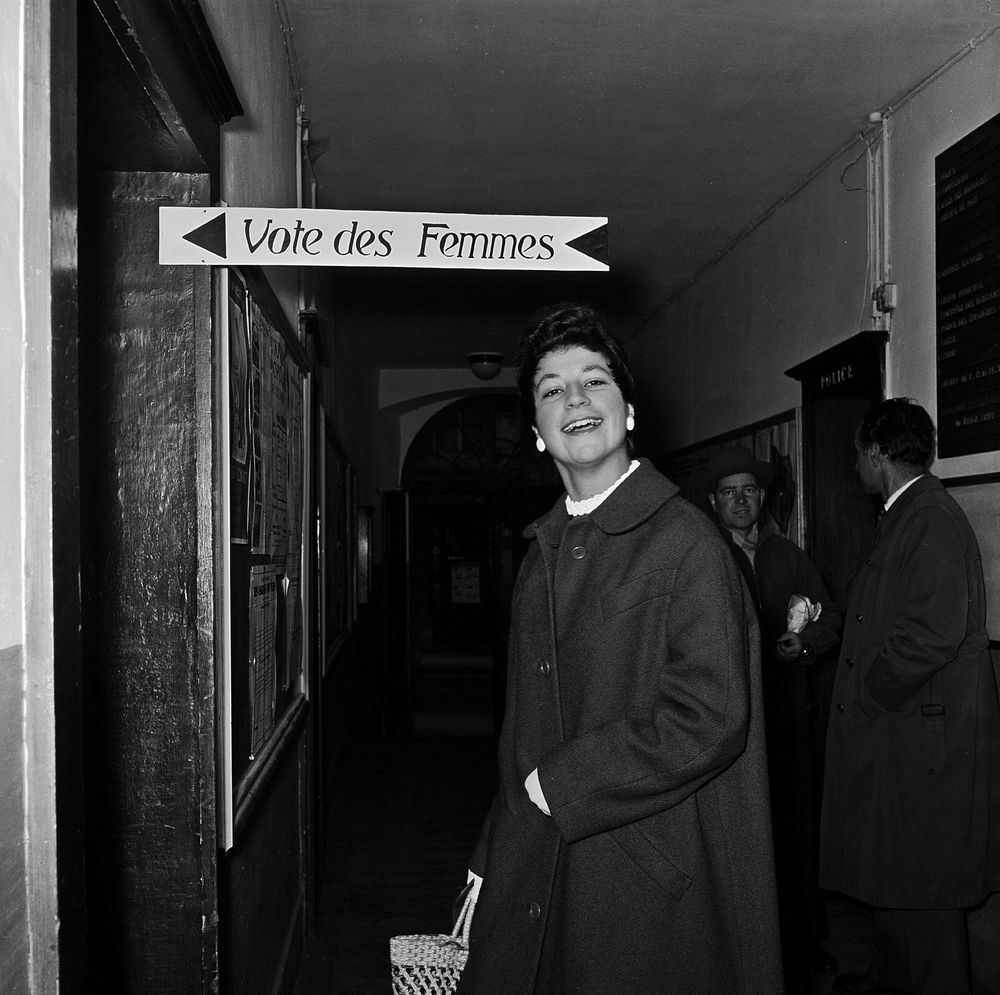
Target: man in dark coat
<point>634,691</point>
<point>910,808</point>
<point>776,571</point>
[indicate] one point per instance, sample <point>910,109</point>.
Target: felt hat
<point>731,460</point>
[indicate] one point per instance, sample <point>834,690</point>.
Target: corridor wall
<point>922,128</point>
<point>176,897</point>
<point>797,285</point>
<point>794,287</point>
<point>270,876</point>
<point>264,876</point>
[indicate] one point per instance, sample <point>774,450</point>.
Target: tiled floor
<point>399,838</point>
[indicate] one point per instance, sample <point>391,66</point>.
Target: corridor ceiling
<point>682,121</point>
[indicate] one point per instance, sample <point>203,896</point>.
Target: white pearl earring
<point>539,443</point>
<point>629,423</point>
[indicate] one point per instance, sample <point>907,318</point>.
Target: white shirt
<point>586,505</point>
<point>895,494</point>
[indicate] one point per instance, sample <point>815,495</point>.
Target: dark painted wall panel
<point>349,694</point>
<point>149,732</point>
<point>261,890</point>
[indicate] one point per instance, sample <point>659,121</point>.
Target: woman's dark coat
<point>912,768</point>
<point>634,689</point>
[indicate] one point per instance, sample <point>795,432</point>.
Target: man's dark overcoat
<point>779,570</point>
<point>634,689</point>
<point>912,765</point>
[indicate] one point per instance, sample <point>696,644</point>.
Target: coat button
<point>578,553</point>
<point>860,618</point>
<point>534,911</point>
<point>545,667</point>
<point>840,708</point>
<point>849,662</point>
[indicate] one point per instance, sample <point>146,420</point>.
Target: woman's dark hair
<point>563,327</point>
<point>902,430</point>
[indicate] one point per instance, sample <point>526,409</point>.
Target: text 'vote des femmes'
<point>436,238</point>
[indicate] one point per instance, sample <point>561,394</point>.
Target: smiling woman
<point>580,416</point>
<point>579,395</point>
<point>629,840</point>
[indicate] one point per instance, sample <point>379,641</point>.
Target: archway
<point>474,480</point>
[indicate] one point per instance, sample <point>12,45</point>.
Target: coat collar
<point>924,484</point>
<point>627,506</point>
<point>767,531</point>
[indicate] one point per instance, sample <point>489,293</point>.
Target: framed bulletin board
<point>774,440</point>
<point>967,245</point>
<point>265,405</point>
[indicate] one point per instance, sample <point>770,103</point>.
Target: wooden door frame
<point>854,368</point>
<point>42,880</point>
<point>154,102</point>
<point>853,371</point>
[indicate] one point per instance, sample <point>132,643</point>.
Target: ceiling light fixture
<point>485,365</point>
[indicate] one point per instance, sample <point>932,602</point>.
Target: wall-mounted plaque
<point>967,192</point>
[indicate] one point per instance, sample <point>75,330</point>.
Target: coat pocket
<point>631,594</point>
<point>666,875</point>
<point>934,743</point>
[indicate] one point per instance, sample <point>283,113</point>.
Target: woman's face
<point>579,410</point>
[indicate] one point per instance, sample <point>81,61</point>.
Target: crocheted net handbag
<point>431,964</point>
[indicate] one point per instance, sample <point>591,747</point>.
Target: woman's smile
<point>582,425</point>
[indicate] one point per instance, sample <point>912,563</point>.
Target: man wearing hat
<point>798,624</point>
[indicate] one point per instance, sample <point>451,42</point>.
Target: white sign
<point>216,236</point>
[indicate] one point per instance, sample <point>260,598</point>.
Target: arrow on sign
<point>211,235</point>
<point>290,237</point>
<point>593,243</point>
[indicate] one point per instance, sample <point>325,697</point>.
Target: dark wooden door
<point>842,516</point>
<point>839,386</point>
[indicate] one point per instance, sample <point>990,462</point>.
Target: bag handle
<point>463,923</point>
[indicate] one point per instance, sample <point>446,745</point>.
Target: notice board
<point>967,242</point>
<point>266,398</point>
<point>774,440</point>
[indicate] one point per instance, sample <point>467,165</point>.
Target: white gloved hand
<point>534,788</point>
<point>801,611</point>
<point>477,883</point>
